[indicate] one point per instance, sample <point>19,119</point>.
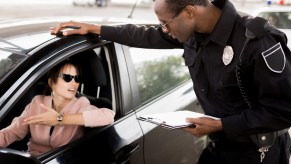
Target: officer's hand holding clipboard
<point>203,126</point>
<point>174,120</point>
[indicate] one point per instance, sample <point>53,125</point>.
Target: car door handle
<point>124,154</point>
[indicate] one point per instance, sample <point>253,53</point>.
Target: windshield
<point>12,51</point>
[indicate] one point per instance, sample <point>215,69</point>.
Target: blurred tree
<point>156,77</point>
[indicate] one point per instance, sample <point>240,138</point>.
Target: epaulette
<point>219,3</point>
<point>257,27</point>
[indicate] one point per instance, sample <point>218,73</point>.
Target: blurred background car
<point>282,2</point>
<point>84,2</point>
<point>104,3</point>
<point>279,16</point>
<point>140,3</point>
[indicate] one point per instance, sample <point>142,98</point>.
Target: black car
<point>130,81</point>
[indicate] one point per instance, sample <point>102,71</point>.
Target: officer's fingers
<point>57,29</point>
<point>61,26</point>
<point>210,123</point>
<point>202,120</point>
<point>193,131</point>
<point>72,32</point>
<point>191,120</point>
<point>52,30</point>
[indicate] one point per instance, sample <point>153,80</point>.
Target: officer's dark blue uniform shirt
<point>216,84</point>
<point>266,77</point>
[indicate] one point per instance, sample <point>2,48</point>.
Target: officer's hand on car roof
<point>71,27</point>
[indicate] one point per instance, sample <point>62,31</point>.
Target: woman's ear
<point>49,81</point>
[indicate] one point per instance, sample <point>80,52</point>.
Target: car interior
<point>95,77</point>
<point>95,85</point>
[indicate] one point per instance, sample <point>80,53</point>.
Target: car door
<point>120,142</point>
<point>163,85</point>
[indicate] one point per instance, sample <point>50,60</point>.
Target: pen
<point>192,126</point>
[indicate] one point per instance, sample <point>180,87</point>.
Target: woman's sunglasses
<point>68,78</point>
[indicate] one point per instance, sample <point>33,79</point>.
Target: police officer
<point>241,71</point>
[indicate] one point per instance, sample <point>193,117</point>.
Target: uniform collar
<point>221,32</point>
<point>224,26</point>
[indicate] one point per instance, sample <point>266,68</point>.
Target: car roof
<point>27,33</point>
<point>16,27</point>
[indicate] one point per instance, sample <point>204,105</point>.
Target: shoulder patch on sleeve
<point>275,58</point>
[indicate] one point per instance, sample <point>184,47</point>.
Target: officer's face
<point>175,24</point>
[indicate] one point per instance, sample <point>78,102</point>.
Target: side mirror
<point>9,156</point>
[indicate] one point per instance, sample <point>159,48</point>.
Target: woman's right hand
<point>47,118</point>
<point>75,28</point>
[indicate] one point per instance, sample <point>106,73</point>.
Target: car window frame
<point>33,75</point>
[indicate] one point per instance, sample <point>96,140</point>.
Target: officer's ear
<point>190,10</point>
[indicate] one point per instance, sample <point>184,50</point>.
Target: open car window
<point>158,70</point>
<point>95,85</point>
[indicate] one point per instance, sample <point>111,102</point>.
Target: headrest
<point>93,69</point>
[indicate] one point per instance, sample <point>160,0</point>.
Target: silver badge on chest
<point>227,55</point>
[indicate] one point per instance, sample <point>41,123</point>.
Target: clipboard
<point>172,120</point>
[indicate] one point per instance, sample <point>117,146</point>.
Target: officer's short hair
<point>176,6</point>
